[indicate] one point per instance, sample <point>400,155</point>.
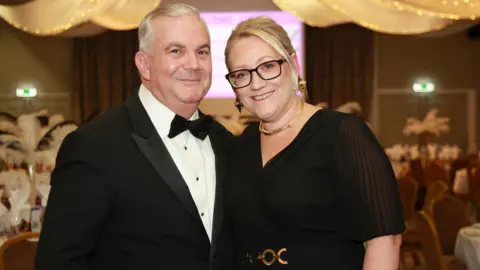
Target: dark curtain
<point>104,72</point>
<point>340,65</point>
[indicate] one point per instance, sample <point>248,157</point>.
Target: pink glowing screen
<point>221,24</point>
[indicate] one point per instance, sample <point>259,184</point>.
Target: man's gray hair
<point>145,31</point>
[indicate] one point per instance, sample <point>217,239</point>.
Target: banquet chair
<point>435,171</point>
<point>434,190</point>
<point>450,214</point>
<point>432,255</point>
<point>408,189</point>
<point>18,252</point>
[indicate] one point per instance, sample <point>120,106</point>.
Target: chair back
<point>450,215</point>
<point>408,189</point>
<point>435,171</point>
<point>428,236</point>
<point>18,253</point>
<point>436,189</point>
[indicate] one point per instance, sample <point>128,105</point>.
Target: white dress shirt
<point>194,157</point>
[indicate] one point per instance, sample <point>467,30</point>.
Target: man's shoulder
<point>107,124</point>
<point>106,120</point>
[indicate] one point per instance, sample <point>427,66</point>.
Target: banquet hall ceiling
<point>90,17</point>
<point>13,2</point>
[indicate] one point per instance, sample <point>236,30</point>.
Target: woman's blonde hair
<point>274,35</point>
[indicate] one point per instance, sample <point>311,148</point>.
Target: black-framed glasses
<point>267,71</point>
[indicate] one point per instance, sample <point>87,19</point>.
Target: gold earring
<point>238,104</point>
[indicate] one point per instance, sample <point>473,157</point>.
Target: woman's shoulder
<point>249,133</point>
<point>326,119</point>
<point>334,119</point>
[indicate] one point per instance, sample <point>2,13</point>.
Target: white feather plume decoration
<point>42,112</point>
<point>59,134</point>
<point>350,107</point>
<point>6,139</point>
<point>30,127</point>
<point>8,153</point>
<point>55,119</point>
<point>52,122</point>
<point>11,156</point>
<point>232,124</point>
<point>322,105</point>
<point>46,157</point>
<point>28,142</point>
<point>431,124</point>
<point>397,152</point>
<point>29,136</point>
<point>10,128</point>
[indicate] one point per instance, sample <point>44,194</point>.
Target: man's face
<point>179,65</point>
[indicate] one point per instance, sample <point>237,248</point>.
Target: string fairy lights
<point>451,10</point>
<point>51,17</point>
<point>404,17</point>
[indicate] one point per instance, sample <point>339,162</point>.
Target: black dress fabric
<point>319,199</point>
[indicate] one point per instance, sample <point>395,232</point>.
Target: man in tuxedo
<point>139,187</point>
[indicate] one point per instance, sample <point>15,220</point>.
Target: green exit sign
<point>26,92</point>
<point>424,86</point>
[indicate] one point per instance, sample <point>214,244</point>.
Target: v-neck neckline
<point>285,149</point>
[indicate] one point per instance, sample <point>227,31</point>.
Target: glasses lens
<point>239,78</point>
<point>269,70</point>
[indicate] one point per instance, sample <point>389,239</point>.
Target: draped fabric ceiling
<point>13,2</point>
<point>76,17</point>
<point>89,17</point>
<point>388,16</point>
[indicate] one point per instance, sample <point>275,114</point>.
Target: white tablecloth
<point>467,247</point>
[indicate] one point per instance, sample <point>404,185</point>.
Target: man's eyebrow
<point>204,46</point>
<point>174,44</point>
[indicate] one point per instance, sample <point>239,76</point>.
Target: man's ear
<point>143,65</point>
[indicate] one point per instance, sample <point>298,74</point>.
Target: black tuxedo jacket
<point>119,202</point>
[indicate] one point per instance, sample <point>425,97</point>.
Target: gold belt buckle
<point>275,256</point>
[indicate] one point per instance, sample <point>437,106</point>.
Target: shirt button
<point>185,147</point>
<point>202,214</point>
<point>197,178</point>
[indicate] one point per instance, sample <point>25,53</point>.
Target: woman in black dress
<point>307,188</point>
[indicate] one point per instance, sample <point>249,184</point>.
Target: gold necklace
<point>287,125</point>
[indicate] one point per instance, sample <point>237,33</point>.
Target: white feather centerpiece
<point>10,128</point>
<point>430,125</point>
<point>31,130</point>
<point>34,140</point>
<point>352,107</point>
<point>233,124</point>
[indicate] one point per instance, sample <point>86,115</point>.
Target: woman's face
<point>267,92</point>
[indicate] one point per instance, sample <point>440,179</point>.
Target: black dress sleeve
<point>368,196</point>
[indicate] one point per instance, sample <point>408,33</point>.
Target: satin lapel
<point>152,146</point>
<point>219,139</point>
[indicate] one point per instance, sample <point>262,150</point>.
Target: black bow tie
<point>199,128</point>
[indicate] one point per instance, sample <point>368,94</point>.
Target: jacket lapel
<point>219,138</point>
<point>152,146</point>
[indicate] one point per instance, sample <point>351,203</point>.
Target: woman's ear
<point>295,62</point>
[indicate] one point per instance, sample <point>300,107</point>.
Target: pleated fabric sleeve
<point>368,197</point>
